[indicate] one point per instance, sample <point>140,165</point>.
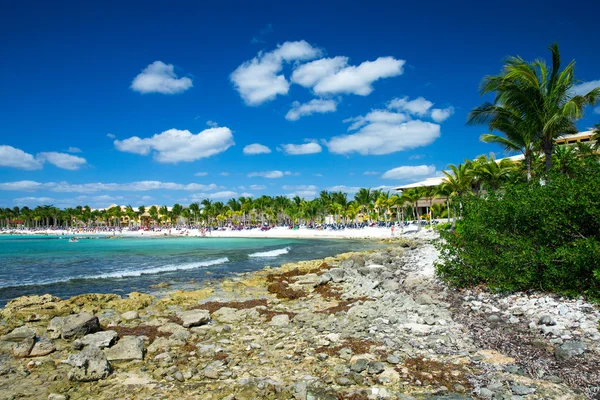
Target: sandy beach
<point>277,232</point>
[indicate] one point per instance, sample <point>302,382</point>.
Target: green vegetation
<point>523,233</point>
<point>530,236</point>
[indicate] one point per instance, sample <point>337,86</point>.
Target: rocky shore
<point>371,325</point>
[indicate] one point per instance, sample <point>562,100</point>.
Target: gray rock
<point>337,274</point>
<point>79,325</point>
<point>569,350</point>
<point>493,318</point>
<point>127,348</point>
<point>130,315</point>
<point>424,299</point>
<point>546,320</point>
<point>521,390</point>
<point>486,393</point>
<point>325,278</point>
<point>375,367</point>
<point>42,347</point>
<point>392,359</point>
<point>56,396</point>
<point>100,340</point>
<point>23,348</point>
<point>228,315</point>
<point>88,365</point>
<point>211,372</point>
<point>55,327</point>
<point>390,285</point>
<point>280,320</point>
<point>19,334</point>
<point>194,317</point>
<point>360,365</point>
<point>343,381</point>
<point>179,376</point>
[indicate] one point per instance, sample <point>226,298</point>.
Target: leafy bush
<point>529,236</point>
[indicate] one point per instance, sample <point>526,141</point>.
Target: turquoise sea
<point>96,264</point>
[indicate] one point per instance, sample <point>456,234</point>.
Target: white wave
<point>127,273</point>
<point>272,253</point>
<point>157,270</point>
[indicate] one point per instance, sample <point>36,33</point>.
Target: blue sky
<point>141,104</point>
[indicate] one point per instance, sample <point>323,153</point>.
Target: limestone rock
<point>99,339</point>
<point>194,318</point>
<point>360,365</point>
<point>280,320</point>
<point>20,334</point>
<point>130,315</point>
<point>228,315</point>
<point>88,365</point>
<point>128,348</point>
<point>42,347</point>
<point>569,350</point>
<point>424,299</point>
<point>23,348</point>
<point>78,325</point>
<point>337,274</point>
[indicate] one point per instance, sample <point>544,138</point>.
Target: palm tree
<point>596,136</point>
<point>543,97</point>
<point>491,173</point>
<point>195,210</point>
<point>519,136</point>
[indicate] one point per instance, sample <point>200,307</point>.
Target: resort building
<point>424,203</point>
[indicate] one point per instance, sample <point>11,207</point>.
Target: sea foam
<point>272,253</point>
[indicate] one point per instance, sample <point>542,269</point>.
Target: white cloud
<point>201,174</point>
<point>212,124</point>
<point>382,116</point>
<point>217,195</point>
<point>62,160</point>
<point>110,135</point>
<point>344,188</point>
<point>270,174</point>
<point>370,173</point>
<point>309,74</point>
<point>440,115</point>
<point>379,138</point>
<point>17,158</point>
<point>256,148</point>
<point>416,156</point>
<point>246,194</point>
<point>65,187</point>
<point>332,79</point>
<point>257,187</point>
<point>74,150</point>
<point>299,187</point>
<point>318,175</point>
<point>301,149</point>
<point>585,87</point>
<point>409,172</point>
<point>224,173</point>
<point>419,106</point>
<point>258,80</point>
<point>314,106</point>
<point>175,145</point>
<point>29,201</point>
<point>159,77</point>
<point>309,194</point>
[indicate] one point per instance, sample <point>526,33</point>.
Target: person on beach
<point>393,228</point>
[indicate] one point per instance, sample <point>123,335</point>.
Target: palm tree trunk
<point>547,147</point>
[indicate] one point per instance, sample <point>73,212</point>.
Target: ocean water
<point>47,264</point>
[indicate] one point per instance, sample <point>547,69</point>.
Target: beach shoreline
<point>274,233</point>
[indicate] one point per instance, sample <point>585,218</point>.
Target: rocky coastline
<point>369,325</point>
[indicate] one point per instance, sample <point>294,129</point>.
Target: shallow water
<point>47,264</point>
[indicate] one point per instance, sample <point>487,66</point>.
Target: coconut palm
<point>543,97</point>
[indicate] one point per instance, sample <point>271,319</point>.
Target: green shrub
<point>529,236</point>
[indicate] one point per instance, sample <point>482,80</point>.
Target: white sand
<point>279,232</point>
